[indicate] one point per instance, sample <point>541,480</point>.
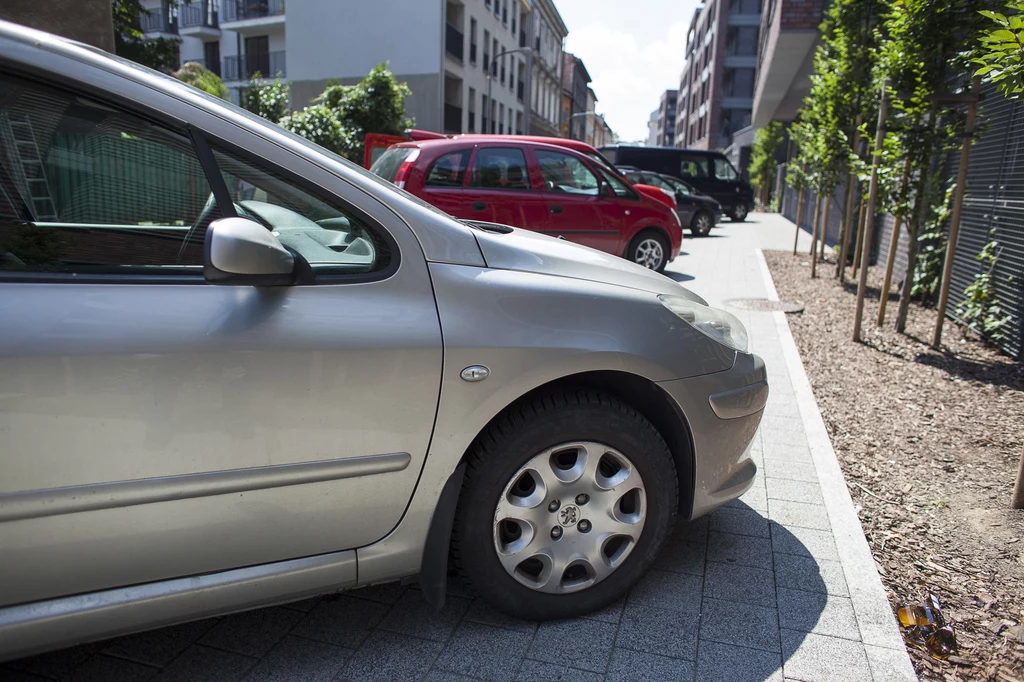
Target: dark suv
<point>708,171</point>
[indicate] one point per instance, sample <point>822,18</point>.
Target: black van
<point>708,171</point>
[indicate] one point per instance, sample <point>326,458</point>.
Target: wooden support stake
<point>851,186</point>
<point>865,249</point>
<point>1017,502</point>
<point>814,230</point>
<point>824,227</point>
<point>860,236</point>
<point>894,243</point>
<point>958,207</point>
<point>799,218</point>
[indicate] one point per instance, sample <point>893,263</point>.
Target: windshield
<point>679,185</point>
<point>387,165</point>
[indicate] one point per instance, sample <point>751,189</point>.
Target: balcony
<point>242,68</point>
<point>199,19</point>
<point>453,42</point>
<point>158,21</point>
<point>238,15</point>
<point>452,118</point>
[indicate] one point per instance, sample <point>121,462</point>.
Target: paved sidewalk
<point>777,585</point>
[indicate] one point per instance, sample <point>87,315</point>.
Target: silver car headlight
<point>717,324</point>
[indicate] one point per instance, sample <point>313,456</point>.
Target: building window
<point>472,40</point>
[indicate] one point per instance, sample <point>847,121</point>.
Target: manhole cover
<point>765,306</point>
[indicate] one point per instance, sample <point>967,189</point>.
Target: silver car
<point>237,370</point>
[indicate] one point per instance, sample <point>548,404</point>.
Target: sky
<point>633,50</point>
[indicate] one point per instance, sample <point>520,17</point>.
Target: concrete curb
<point>886,651</point>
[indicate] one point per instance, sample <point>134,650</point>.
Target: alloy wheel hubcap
<point>703,224</point>
<point>649,254</point>
<point>741,211</point>
<point>569,517</point>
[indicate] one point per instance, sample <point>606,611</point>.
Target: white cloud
<point>629,77</point>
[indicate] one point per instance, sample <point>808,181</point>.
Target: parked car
<point>376,144</point>
<point>708,171</point>
<point>237,370</point>
<point>537,186</point>
<point>697,211</point>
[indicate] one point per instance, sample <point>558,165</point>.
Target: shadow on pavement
<point>731,597</point>
<point>678,276</point>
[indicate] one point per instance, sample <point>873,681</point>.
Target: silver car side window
<point>87,189</point>
<point>333,239</point>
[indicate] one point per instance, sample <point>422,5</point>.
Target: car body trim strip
<point>32,504</point>
<point>740,402</point>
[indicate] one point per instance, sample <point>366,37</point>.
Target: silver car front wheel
<point>569,517</point>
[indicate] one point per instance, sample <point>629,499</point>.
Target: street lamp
<point>529,75</point>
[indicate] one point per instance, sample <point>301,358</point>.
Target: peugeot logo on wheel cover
<point>569,515</point>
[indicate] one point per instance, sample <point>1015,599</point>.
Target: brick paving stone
<point>206,664</point>
<point>806,542</point>
<point>717,662</point>
<point>609,614</point>
<point>345,621</point>
<point>793,491</point>
<point>820,658</point>
<point>788,452</point>
<point>102,668</point>
<point>659,631</point>
<point>798,514</point>
<point>159,647</point>
<point>742,584</point>
<point>481,612</point>
<point>682,556</point>
<point>749,626</point>
<point>532,671</point>
<point>818,613</point>
<point>252,633</point>
<point>58,663</point>
<point>889,665</point>
<point>793,471</point>
<point>743,550</point>
<point>412,615</point>
<point>627,666</point>
<point>814,575</point>
<point>742,521</point>
<point>388,656</point>
<point>676,591</point>
<point>386,593</point>
<point>586,644</point>
<point>297,659</point>
<point>484,651</point>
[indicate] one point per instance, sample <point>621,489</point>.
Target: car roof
<point>662,150</point>
<point>464,141</point>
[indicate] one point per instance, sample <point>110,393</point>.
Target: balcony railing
<point>452,118</point>
<point>453,41</point>
<point>238,10</point>
<point>519,91</point>
<point>198,14</point>
<point>157,21</point>
<point>242,68</point>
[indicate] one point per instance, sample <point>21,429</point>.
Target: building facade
<point>666,130</point>
<point>575,97</point>
<point>652,129</point>
<point>443,50</point>
<point>545,34</point>
<point>716,88</point>
<point>788,41</point>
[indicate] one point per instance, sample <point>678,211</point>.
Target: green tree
<point>374,105</point>
<point>320,124</point>
<point>129,41</point>
<point>767,141</point>
<point>198,76</point>
<point>1001,52</point>
<point>266,99</point>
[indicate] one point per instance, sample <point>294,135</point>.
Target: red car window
<point>499,168</point>
<point>565,173</point>
<point>449,170</point>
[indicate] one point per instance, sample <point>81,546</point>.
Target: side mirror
<point>239,251</point>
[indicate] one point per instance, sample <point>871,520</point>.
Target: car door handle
<point>479,206</point>
<point>556,209</point>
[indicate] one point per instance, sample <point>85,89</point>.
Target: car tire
<point>550,430</point>
<point>701,224</point>
<point>650,249</point>
<point>739,212</point>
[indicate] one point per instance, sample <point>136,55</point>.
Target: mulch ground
<point>929,443</point>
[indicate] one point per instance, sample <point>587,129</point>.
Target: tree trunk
<point>824,228</point>
<point>894,243</point>
<point>1018,490</point>
<point>844,232</point>
<point>814,231</point>
<point>860,235</point>
<point>799,217</point>
<point>913,226</point>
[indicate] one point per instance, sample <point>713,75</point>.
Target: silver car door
<point>154,425</point>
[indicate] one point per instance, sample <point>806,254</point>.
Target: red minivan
<point>537,186</point>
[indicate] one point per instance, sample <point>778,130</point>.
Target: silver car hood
<point>531,252</point>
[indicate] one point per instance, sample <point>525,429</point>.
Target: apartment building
<point>789,39</point>
<point>652,128</point>
<point>716,88</point>
<point>575,97</point>
<point>666,126</point>
<point>443,50</point>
